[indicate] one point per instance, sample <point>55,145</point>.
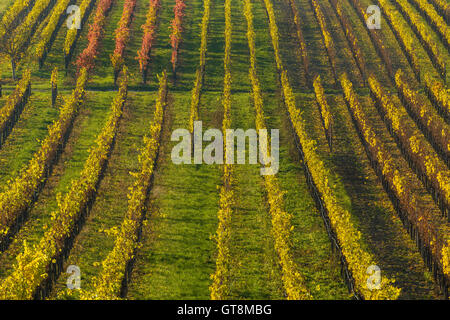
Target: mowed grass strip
<point>311,247</point>
<point>216,45</point>
<point>189,50</point>
<point>184,199</point>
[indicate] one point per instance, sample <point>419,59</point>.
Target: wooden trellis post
<point>54,80</point>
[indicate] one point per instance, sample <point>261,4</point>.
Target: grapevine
<point>175,37</point>
<point>96,32</point>
<point>49,33</point>
<point>303,52</point>
<point>73,33</point>
<point>108,284</point>
<point>425,162</point>
<point>324,109</point>
<point>431,125</point>
<point>21,192</point>
<point>351,245</point>
<point>293,281</point>
<point>149,29</point>
<point>430,232</point>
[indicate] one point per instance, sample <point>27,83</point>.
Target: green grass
<point>215,50</point>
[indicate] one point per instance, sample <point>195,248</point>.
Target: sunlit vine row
<point>326,36</point>
<point>350,35</point>
<point>423,34</point>
<point>24,32</point>
<point>148,38</point>
<point>11,15</point>
<point>435,19</point>
<point>14,105</point>
<point>376,38</point>
<point>324,109</point>
<point>438,96</point>
<point>357,257</point>
<point>435,89</point>
<point>403,34</point>
<point>443,7</point>
<point>54,77</point>
<point>37,265</point>
<point>440,5</point>
<point>20,192</point>
<point>50,29</point>
<point>54,85</point>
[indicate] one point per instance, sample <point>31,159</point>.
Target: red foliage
<point>123,33</point>
<point>175,37</point>
<point>87,57</point>
<point>149,35</point>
